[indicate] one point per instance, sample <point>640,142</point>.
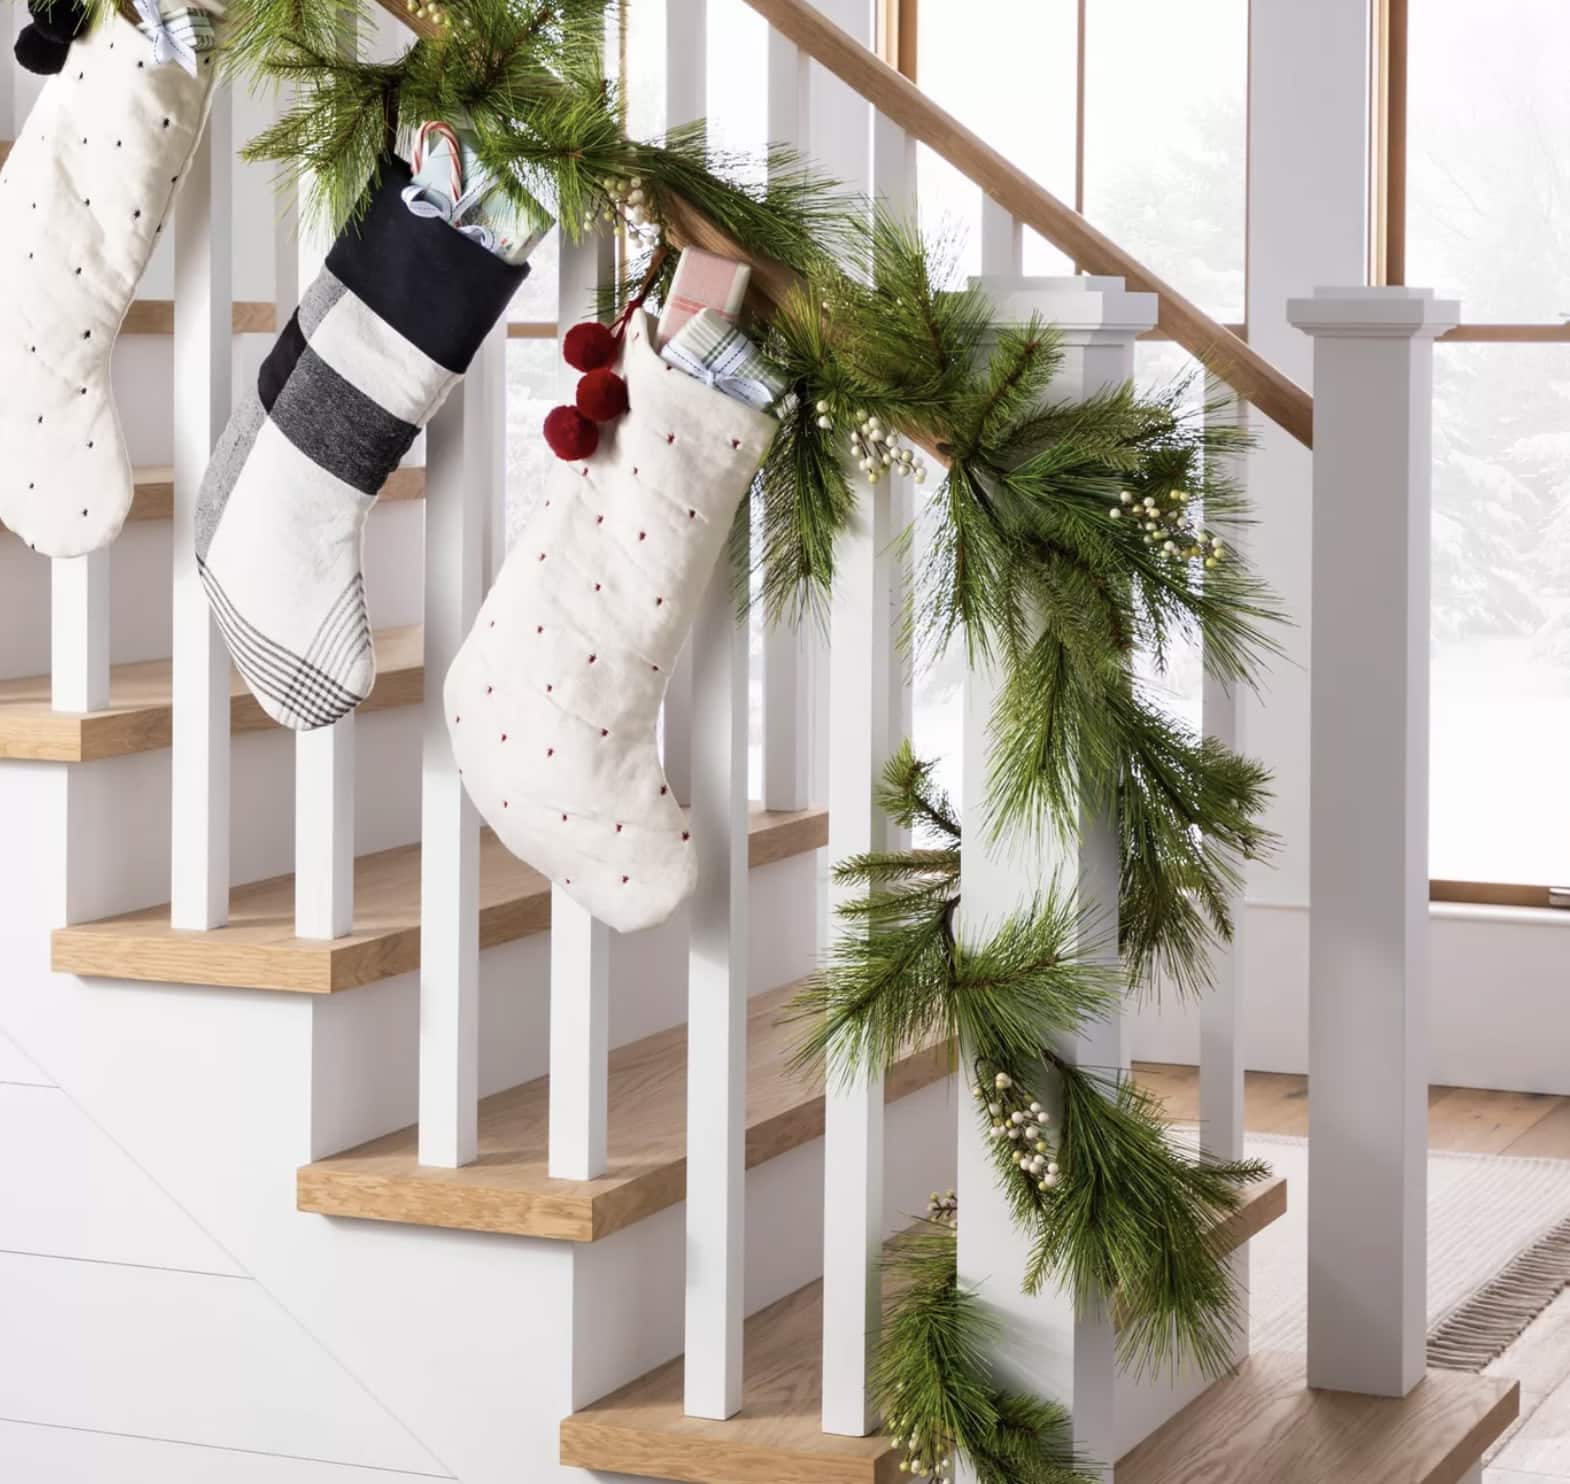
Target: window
<point>1120,107</point>
<point>1477,98</point>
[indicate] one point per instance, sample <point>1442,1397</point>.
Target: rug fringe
<point>1488,1322</point>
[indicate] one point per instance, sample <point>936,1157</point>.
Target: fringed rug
<point>1498,1251</point>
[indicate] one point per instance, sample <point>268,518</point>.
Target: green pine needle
<point>1134,1217</point>
<point>933,1378</point>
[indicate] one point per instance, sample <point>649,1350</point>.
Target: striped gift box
<point>713,350</point>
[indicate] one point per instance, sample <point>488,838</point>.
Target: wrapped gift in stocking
<point>378,342</point>
<point>84,195</point>
<point>553,700</point>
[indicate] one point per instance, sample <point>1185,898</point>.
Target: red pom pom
<point>602,395</point>
<point>589,346</point>
<point>570,434</point>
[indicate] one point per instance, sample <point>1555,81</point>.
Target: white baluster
<point>79,632</point>
<point>787,648</point>
<point>869,703</point>
<point>717,1007</point>
<point>324,831</point>
<point>203,345</point>
<point>324,775</point>
<point>580,946</point>
<point>686,99</point>
<point>78,586</point>
<point>1002,242</point>
<point>894,184</point>
<point>859,656</point>
<point>461,483</point>
<point>1368,784</point>
<point>1221,1009</point>
<point>1050,1349</point>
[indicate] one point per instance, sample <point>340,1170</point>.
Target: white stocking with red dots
<point>553,700</point>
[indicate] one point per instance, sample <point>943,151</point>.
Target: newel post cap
<point>1374,313</point>
<point>1086,308</point>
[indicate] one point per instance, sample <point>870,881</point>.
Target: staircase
<point>555,1197</point>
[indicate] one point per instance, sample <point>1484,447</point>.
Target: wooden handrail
<point>897,98</point>
<point>1212,344</point>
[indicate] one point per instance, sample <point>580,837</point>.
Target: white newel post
<point>1368,781</point>
<point>1049,1350</point>
<point>203,347</point>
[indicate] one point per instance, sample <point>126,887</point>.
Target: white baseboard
<point>1498,1004</point>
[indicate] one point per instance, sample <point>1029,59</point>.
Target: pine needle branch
<point>934,1381</point>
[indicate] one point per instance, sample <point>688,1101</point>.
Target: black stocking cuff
<point>439,289</point>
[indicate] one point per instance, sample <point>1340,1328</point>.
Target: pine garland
<point>1114,1210</point>
<point>934,1383</point>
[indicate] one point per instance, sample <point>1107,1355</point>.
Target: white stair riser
<point>140,588</point>
<point>365,1041</point>
<point>119,819</point>
<point>628,1316</point>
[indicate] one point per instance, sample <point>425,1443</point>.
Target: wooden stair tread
<point>777,1437</point>
<point>156,317</point>
<point>140,714</point>
<point>154,493</point>
<point>257,948</point>
<point>152,496</point>
<point>1266,1426</point>
<point>507,1190</point>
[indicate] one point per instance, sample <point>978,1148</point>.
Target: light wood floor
<point>1470,1119</point>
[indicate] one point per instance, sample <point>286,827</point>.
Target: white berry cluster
<point>877,450</point>
<point>1021,1121</point>
<point>1164,526</point>
<point>943,1206</point>
<point>926,1457</point>
<point>628,200</point>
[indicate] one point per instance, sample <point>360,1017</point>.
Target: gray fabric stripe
<point>225,467</point>
<point>338,427</point>
<point>324,292</point>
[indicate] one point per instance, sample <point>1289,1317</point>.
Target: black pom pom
<point>59,20</point>
<point>43,46</point>
<point>39,53</point>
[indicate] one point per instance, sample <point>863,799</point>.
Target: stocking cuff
<point>438,288</point>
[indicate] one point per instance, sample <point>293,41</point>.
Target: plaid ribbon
<point>712,349</point>
<point>178,36</point>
